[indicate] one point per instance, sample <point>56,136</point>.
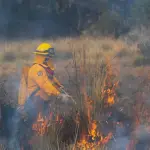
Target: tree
<point>141,12</point>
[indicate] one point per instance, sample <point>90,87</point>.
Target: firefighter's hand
<point>61,89</point>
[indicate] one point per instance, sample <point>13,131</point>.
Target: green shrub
<point>141,60</point>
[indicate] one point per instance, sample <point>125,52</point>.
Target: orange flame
<point>94,138</point>
<point>109,91</point>
<point>41,125</point>
<point>110,94</point>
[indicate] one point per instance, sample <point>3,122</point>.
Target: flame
<point>110,94</point>
<point>91,138</point>
<point>41,124</point>
<point>94,137</point>
<point>92,130</point>
<point>109,90</point>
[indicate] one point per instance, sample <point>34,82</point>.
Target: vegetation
<point>102,54</point>
<point>91,59</point>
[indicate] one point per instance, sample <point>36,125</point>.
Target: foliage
<point>141,12</point>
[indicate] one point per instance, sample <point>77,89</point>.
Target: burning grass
<point>86,133</point>
<point>94,79</point>
<point>75,134</point>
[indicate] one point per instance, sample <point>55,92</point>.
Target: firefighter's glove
<point>65,98</point>
<point>62,89</point>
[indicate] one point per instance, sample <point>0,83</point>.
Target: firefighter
<point>41,85</point>
<point>41,78</point>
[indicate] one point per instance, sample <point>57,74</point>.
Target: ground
<point>125,61</point>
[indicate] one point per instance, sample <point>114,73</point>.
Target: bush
<point>103,26</point>
<point>144,48</point>
<point>9,57</point>
<point>139,60</point>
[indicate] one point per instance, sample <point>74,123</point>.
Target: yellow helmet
<point>45,49</point>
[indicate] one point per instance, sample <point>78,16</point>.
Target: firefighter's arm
<point>42,80</point>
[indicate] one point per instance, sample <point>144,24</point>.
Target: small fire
<point>110,94</point>
<point>41,125</point>
<point>94,138</point>
<point>91,138</point>
<point>92,130</point>
<point>109,90</point>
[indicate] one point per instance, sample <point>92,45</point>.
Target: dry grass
<point>88,70</point>
<point>89,65</point>
<point>16,53</point>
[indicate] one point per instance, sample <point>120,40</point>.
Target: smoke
<point>120,143</point>
<point>13,142</point>
<point>124,132</point>
<point>142,133</point>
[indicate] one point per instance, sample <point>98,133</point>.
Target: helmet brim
<point>39,53</point>
<point>50,52</point>
<point>44,54</point>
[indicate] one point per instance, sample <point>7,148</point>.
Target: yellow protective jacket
<point>39,78</point>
